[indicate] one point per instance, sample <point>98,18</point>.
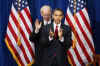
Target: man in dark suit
<point>57,39</point>
<point>37,28</point>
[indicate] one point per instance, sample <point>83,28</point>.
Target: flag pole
<point>74,36</point>
<point>75,6</point>
<point>18,39</point>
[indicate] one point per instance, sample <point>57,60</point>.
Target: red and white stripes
<point>84,47</point>
<point>19,29</point>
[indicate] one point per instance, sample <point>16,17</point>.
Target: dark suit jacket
<point>55,47</point>
<point>36,37</point>
<point>38,45</point>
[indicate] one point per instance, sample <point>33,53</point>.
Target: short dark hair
<point>58,9</point>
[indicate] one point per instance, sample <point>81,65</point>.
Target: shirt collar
<point>57,25</point>
<point>45,22</point>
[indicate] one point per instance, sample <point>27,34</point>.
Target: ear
<point>63,16</point>
<point>52,16</point>
<point>41,13</point>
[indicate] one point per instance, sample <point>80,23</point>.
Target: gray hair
<point>44,7</point>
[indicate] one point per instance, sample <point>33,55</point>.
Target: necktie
<point>56,32</point>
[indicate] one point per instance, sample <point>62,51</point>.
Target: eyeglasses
<point>47,15</point>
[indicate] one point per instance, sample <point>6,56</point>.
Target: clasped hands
<point>60,33</point>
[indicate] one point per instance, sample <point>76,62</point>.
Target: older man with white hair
<point>36,34</point>
<point>46,14</point>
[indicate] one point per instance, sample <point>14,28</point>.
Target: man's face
<point>57,16</point>
<point>46,14</point>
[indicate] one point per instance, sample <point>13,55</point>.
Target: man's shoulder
<point>49,25</point>
<point>66,27</point>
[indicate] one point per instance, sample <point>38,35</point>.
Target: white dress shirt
<point>59,25</point>
<point>45,22</point>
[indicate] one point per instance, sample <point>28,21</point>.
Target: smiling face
<point>46,12</point>
<point>57,16</point>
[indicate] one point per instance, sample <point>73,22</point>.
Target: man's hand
<point>60,33</point>
<point>51,33</point>
<point>37,24</point>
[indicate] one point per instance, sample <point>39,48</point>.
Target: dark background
<point>35,5</point>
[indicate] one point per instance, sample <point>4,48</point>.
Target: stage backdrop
<point>35,5</point>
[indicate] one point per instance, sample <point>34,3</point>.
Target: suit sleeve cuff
<point>50,38</point>
<point>62,39</point>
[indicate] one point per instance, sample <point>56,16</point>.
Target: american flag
<point>18,31</point>
<point>83,46</point>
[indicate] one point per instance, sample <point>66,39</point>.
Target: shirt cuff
<point>62,39</point>
<point>50,38</point>
<point>36,31</point>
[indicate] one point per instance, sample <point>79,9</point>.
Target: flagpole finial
<point>75,6</point>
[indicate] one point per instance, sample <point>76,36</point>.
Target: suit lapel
<point>61,26</point>
<point>52,27</point>
<point>42,22</point>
